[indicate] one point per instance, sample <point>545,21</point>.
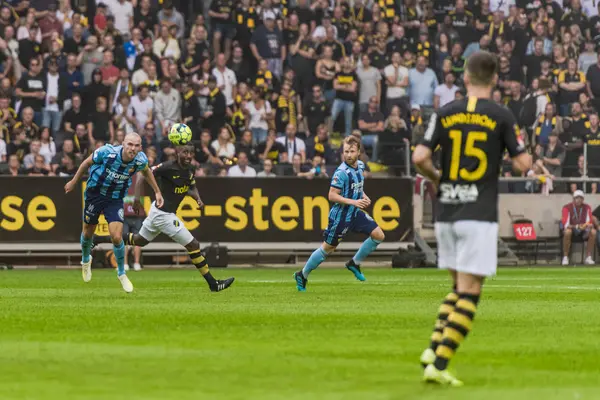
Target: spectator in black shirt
<point>267,43</point>
<point>371,124</point>
<point>533,62</point>
<point>239,65</point>
<point>19,145</point>
<point>100,126</point>
<point>246,145</point>
<point>32,89</point>
<point>319,146</point>
<point>29,48</point>
<point>345,84</point>
<point>593,83</point>
<point>221,14</point>
<point>205,153</point>
<point>145,18</point>
<point>316,111</point>
<point>39,167</point>
<point>305,14</point>
<point>271,149</point>
<point>74,45</point>
<point>14,166</point>
<point>92,91</point>
<point>75,115</point>
<point>67,148</point>
<point>68,166</point>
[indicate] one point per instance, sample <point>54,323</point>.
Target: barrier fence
<point>36,209</point>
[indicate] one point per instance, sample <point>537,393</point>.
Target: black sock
<point>200,262</point>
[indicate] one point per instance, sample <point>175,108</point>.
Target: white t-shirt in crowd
<point>446,94</point>
<point>225,151</point>
<point>255,120</point>
<point>48,150</point>
<point>502,5</point>
<point>142,108</point>
<point>292,146</point>
<point>236,172</point>
<point>2,149</point>
<point>226,80</point>
<point>122,13</point>
<point>389,72</point>
<point>52,92</point>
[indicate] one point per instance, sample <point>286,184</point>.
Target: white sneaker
<point>137,267</point>
<point>126,267</point>
<point>589,261</point>
<point>86,270</point>
<point>565,261</point>
<point>126,283</point>
<point>434,375</point>
<point>427,357</point>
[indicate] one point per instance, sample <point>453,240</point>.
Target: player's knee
<point>193,245</point>
<point>327,248</point>
<point>378,235</point>
<point>593,232</point>
<point>568,232</point>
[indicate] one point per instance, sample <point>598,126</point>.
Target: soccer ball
<point>180,134</point>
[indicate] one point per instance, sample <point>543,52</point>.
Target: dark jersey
<point>473,134</point>
<point>174,182</point>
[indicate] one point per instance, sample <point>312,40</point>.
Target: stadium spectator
<point>260,113</point>
<point>580,172</point>
<point>396,82</point>
<point>345,84</point>
<point>67,148</point>
<point>271,149</point>
<point>319,146</point>
<point>14,166</point>
<point>223,147</point>
<point>57,88</point>
<point>67,167</point>
<point>316,111</point>
<point>371,123</point>
<point>267,171</point>
<point>545,124</point>
<point>267,43</point>
<point>246,145</point>
<point>167,105</point>
<point>422,83</point>
<point>34,151</point>
<point>553,155</point>
<point>205,153</point>
<point>370,83</point>
<point>143,106</point>
<point>39,167</point>
<point>31,88</point>
<point>242,169</point>
<point>446,92</point>
<point>577,222</point>
<point>31,129</point>
<point>293,144</point>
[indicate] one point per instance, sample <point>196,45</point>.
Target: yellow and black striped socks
<point>458,325</point>
<point>445,309</point>
<point>128,239</point>
<point>200,262</point>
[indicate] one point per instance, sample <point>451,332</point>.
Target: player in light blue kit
<point>110,172</point>
<point>346,214</point>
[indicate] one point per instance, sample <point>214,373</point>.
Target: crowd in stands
<point>271,87</point>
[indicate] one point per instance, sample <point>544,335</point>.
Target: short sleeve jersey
<point>473,135</point>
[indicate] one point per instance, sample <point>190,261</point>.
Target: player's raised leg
<point>86,241</point>
<point>364,224</point>
<point>315,259</point>
<point>215,285</point>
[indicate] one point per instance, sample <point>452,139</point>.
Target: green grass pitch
<point>535,336</point>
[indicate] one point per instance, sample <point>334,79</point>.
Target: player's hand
<point>159,200</point>
<point>70,186</point>
<point>365,197</point>
<point>362,204</point>
<point>200,204</point>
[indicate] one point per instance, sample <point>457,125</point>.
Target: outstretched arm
<point>149,176</point>
<point>82,170</point>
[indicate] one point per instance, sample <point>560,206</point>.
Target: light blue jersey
<point>350,181</point>
<point>110,176</point>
